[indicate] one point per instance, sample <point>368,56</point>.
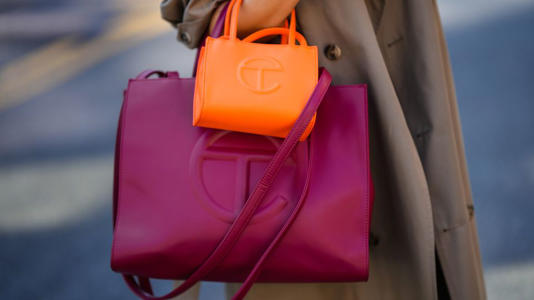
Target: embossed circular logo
<point>252,73</point>
<point>224,169</point>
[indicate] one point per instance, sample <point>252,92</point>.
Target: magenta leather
<point>201,204</point>
<point>178,189</point>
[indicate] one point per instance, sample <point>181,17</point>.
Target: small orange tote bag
<point>252,87</point>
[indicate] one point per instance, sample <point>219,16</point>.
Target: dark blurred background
<point>63,65</point>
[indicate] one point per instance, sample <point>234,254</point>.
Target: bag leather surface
<point>180,208</point>
<point>252,87</point>
<point>179,187</point>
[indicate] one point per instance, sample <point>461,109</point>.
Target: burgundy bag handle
<point>216,32</point>
<point>251,205</point>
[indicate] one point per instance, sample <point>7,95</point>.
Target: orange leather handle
<point>284,32</point>
<point>230,25</point>
<point>284,37</point>
<point>228,16</point>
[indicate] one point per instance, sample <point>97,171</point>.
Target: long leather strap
<point>255,199</point>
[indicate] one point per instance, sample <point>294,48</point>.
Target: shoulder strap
<point>237,228</point>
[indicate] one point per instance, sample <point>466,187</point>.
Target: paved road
<point>57,125</point>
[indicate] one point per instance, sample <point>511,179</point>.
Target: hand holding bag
<point>250,87</point>
<point>196,204</point>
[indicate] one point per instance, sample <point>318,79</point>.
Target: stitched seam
<point>395,41</point>
<point>119,171</point>
<point>204,67</point>
<point>367,191</point>
<point>454,227</point>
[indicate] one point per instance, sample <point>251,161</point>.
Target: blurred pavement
<point>61,82</point>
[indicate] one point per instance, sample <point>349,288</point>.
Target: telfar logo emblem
<point>224,168</point>
<point>255,74</point>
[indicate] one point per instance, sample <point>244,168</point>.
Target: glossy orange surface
<point>251,87</point>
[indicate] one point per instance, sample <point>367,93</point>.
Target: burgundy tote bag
<point>202,204</point>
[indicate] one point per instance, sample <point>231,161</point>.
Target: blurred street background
<point>64,64</point>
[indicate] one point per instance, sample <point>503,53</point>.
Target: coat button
<point>332,52</point>
<point>471,210</point>
<point>185,37</point>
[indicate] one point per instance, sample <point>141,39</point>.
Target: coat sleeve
<point>190,17</point>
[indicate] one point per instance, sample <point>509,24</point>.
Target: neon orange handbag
<point>251,87</point>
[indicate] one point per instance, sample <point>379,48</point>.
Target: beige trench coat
<point>425,240</point>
